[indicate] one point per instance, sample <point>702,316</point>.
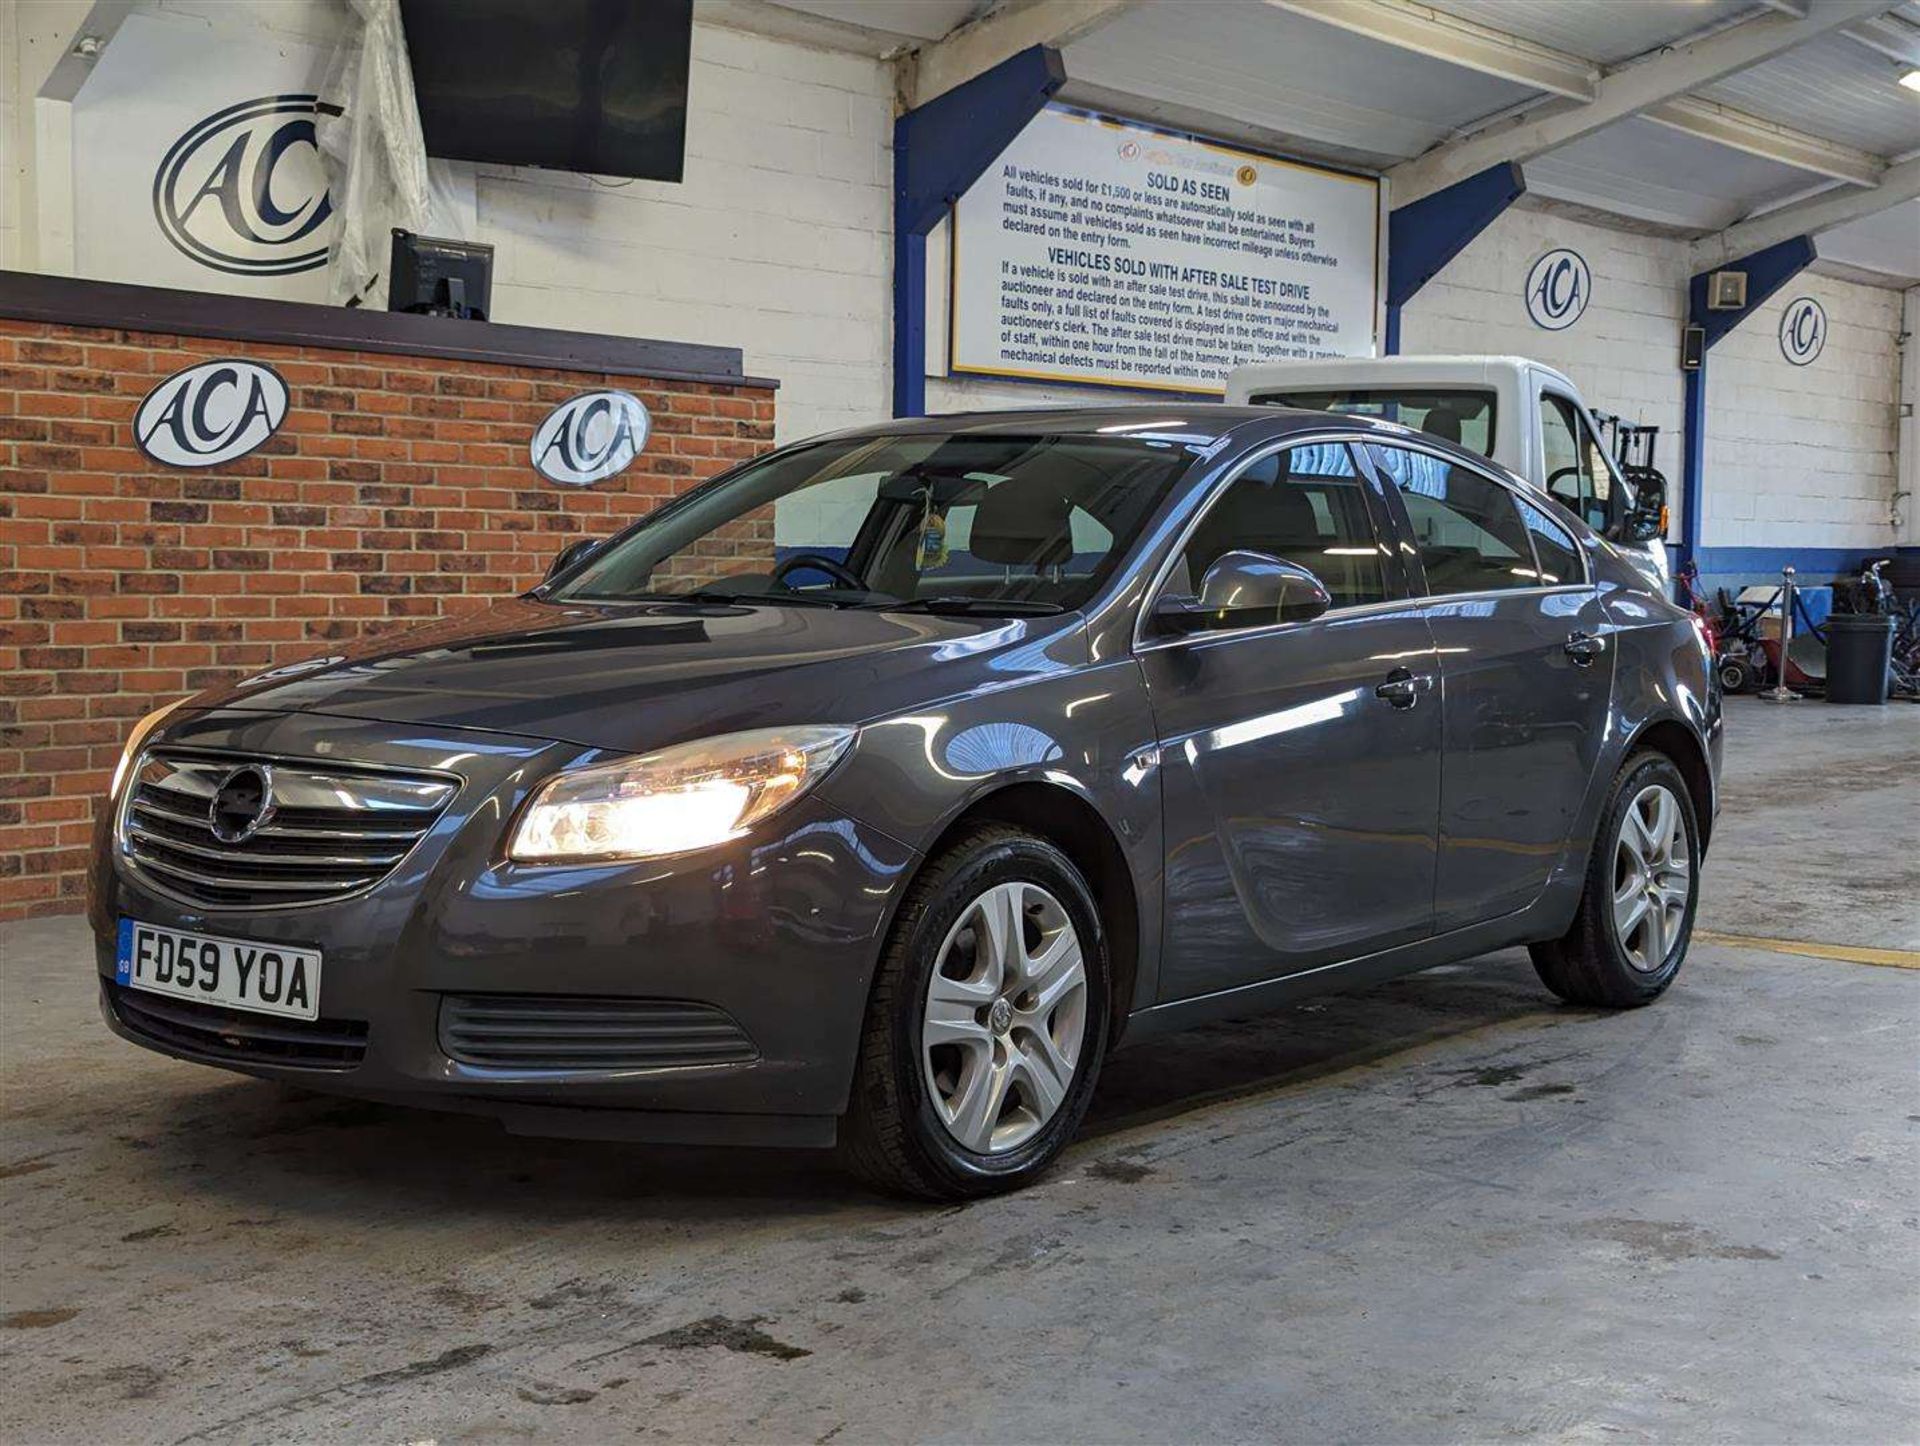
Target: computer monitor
<point>438,277</point>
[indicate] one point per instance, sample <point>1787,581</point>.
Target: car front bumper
<point>777,933</point>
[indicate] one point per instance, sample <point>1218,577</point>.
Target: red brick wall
<point>397,489</point>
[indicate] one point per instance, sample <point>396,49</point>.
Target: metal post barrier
<point>1780,692</point>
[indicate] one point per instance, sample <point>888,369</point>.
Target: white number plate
<point>264,978</point>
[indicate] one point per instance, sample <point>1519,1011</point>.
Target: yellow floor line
<point>1846,953</point>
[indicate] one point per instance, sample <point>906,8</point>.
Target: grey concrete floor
<point>1441,1209</point>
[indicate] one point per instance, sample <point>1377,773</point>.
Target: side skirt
<point>1520,927</point>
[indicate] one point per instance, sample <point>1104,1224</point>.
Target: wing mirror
<point>570,554</point>
<point>1243,589</point>
<point>1647,518</point>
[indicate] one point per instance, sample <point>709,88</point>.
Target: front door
<point>1300,762</point>
<point>1526,665</point>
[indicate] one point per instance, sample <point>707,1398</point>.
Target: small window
<point>1305,506</point>
<point>1467,526</point>
<point>1553,548</point>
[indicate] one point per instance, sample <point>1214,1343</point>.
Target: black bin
<point>1859,657</point>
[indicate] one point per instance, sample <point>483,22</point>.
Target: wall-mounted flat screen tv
<point>595,86</point>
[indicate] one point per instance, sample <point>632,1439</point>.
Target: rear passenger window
<point>1553,548</point>
<point>1303,505</point>
<point>1467,526</point>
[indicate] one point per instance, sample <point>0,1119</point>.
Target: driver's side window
<point>1575,473</point>
<point>1305,506</point>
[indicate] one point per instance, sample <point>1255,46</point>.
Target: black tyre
<point>1635,918</point>
<point>1736,675</point>
<point>987,1023</point>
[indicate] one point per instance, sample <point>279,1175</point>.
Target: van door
<point>1573,467</point>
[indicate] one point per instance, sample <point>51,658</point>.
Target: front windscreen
<point>1462,415</point>
<point>970,523</point>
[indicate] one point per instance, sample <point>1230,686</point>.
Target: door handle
<point>1583,648</point>
<point>1404,687</point>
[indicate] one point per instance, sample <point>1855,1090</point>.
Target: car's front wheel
<point>986,1024</point>
<point>1643,884</point>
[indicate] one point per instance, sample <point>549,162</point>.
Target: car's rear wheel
<point>986,1025</point>
<point>1635,918</point>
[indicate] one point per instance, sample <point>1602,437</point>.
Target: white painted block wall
<point>1806,456</point>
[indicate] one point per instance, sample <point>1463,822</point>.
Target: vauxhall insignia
<point>210,413</point>
<point>244,190</point>
<point>589,438</point>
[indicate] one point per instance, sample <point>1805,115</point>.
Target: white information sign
<point>1098,251</point>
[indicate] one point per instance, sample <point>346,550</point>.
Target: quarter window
<point>1553,548</point>
<point>1305,506</point>
<point>1467,526</point>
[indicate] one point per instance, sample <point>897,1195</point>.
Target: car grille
<point>516,1031</point>
<point>216,1033</point>
<point>235,832</point>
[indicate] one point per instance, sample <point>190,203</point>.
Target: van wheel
<point>1635,919</point>
<point>986,1025</point>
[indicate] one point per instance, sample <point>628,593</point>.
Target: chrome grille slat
<point>135,829</point>
<point>198,818</point>
<point>327,833</point>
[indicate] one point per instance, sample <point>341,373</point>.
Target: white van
<point>1527,417</point>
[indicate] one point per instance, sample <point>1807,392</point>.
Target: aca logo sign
<point>244,191</point>
<point>210,413</point>
<point>589,438</point>
<point>1803,330</point>
<point>1558,288</point>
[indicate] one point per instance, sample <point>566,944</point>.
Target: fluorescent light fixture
<point>1911,80</point>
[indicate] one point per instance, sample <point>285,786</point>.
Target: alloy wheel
<point>1652,877</point>
<point>1005,1018</point>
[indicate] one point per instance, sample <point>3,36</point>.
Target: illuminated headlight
<point>136,740</point>
<point>676,800</point>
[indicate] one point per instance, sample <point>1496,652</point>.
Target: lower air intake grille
<point>216,1033</point>
<point>514,1031</point>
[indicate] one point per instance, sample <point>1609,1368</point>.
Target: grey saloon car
<point>871,793</point>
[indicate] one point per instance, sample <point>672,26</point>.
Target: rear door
<point>1300,761</point>
<point>1526,666</point>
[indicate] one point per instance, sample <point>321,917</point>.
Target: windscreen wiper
<point>976,606</point>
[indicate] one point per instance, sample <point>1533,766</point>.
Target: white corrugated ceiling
<point>1374,83</point>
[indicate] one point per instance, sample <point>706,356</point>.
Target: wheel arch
<point>1074,826</point>
<point>1678,743</point>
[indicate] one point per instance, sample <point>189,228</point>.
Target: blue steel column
<point>940,149</point>
<point>1767,271</point>
<point>1424,235</point>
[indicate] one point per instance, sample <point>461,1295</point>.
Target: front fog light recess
<point>676,800</point>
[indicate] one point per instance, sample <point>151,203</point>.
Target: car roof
<point>1201,423</point>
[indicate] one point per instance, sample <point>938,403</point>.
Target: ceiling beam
<point>1726,126</point>
<point>978,46</point>
<point>1464,43</point>
<point>1810,217</point>
<point>1625,92</point>
<point>1890,36</point>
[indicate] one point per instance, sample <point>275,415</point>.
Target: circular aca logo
<point>244,190</point>
<point>211,413</point>
<point>1803,330</point>
<point>589,438</point>
<point>1558,288</point>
